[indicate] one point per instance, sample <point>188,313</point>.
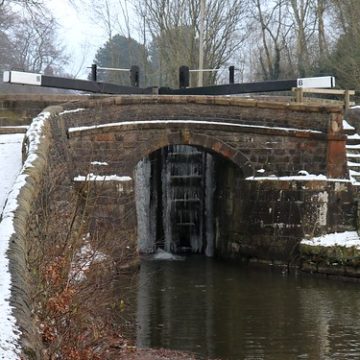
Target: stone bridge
<point>279,173</point>
<point>281,139</point>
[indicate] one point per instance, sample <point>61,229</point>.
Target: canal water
<point>225,310</point>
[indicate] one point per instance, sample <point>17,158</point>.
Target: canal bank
<point>335,254</point>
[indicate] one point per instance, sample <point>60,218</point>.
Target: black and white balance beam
<point>25,78</point>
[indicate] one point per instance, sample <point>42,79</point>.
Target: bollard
<point>184,76</point>
<point>134,76</point>
<point>94,72</point>
<point>231,74</point>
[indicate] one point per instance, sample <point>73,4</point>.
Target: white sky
<point>79,35</point>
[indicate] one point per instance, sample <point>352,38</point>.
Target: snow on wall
<point>322,199</point>
<point>143,122</point>
<point>347,239</point>
<point>94,177</point>
<point>71,111</point>
<point>9,331</point>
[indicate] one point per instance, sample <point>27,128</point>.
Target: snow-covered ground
<point>10,163</point>
<point>10,166</point>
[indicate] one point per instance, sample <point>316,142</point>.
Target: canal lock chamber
<point>184,198</point>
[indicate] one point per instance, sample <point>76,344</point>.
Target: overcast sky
<point>79,35</point>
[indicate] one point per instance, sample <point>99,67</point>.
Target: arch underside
<point>207,143</point>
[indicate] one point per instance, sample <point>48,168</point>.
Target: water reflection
<point>226,311</point>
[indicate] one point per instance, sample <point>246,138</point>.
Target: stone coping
<point>93,100</point>
<point>199,124</point>
<point>13,129</point>
<point>209,100</point>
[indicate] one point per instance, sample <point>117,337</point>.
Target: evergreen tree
<point>121,52</point>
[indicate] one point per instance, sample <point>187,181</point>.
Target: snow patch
<point>10,160</point>
<point>349,155</point>
<point>71,111</point>
<point>164,255</point>
<point>303,173</point>
<point>99,163</point>
<point>83,259</point>
<point>308,177</point>
<point>323,199</point>
<point>94,177</point>
<point>353,164</point>
<point>354,172</point>
<point>354,137</point>
<point>353,147</point>
<point>346,239</point>
<point>347,126</point>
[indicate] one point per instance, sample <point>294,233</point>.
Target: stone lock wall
<point>266,219</point>
<point>20,109</point>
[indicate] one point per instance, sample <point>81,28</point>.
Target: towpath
<point>10,166</point>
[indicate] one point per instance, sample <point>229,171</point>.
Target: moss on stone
<point>332,256</point>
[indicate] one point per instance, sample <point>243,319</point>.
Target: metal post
<point>231,74</point>
<point>94,72</point>
<point>134,76</point>
<point>184,76</point>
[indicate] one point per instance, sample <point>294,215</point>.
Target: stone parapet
<point>236,109</point>
<point>25,195</point>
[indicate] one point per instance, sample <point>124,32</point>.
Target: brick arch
<point>207,143</point>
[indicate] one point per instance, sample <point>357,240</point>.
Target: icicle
<point>146,241</point>
<point>166,201</point>
<point>209,205</point>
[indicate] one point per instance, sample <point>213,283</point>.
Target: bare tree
<point>293,36</point>
<point>320,12</point>
<point>26,3</point>
<point>35,45</point>
<point>28,38</point>
<point>6,21</point>
<point>304,26</point>
<point>174,28</point>
<point>273,37</point>
<point>345,57</point>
